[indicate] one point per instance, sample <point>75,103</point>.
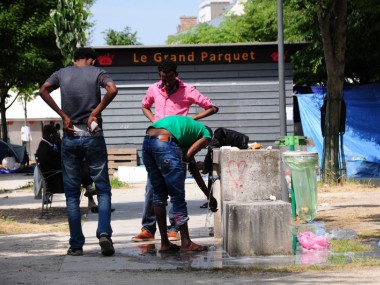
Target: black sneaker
<point>75,251</point>
<point>106,244</point>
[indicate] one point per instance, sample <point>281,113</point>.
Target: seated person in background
<point>49,157</point>
<point>9,162</point>
<point>170,143</point>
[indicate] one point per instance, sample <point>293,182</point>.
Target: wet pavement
<point>126,223</point>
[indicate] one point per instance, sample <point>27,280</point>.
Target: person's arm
<point>194,148</point>
<point>194,171</point>
<point>107,99</point>
<point>203,102</point>
<point>148,113</point>
<point>45,91</point>
<point>205,113</point>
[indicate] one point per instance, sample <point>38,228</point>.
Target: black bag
<point>224,137</point>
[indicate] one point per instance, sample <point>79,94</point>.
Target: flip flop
<point>173,248</point>
<point>199,249</point>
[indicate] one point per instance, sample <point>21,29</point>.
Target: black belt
<point>163,138</point>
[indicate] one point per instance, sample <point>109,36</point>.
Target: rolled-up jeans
<point>94,150</point>
<point>167,173</point>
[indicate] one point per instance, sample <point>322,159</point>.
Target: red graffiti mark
<point>106,59</point>
<point>239,168</point>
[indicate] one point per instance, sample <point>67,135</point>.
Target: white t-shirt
<point>26,134</point>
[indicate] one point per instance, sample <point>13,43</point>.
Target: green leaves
<point>125,37</point>
<point>70,25</point>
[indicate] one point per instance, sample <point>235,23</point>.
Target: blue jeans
<point>149,217</point>
<point>167,174</point>
<point>94,150</point>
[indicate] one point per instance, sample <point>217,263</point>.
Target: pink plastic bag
<point>309,241</point>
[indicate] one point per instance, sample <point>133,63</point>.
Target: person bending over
<point>169,144</point>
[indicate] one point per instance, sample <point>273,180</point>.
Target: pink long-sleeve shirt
<point>177,103</point>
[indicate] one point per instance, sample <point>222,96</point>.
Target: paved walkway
<point>126,222</point>
<point>141,263</point>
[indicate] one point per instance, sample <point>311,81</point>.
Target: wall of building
<point>247,96</point>
<point>211,9</point>
<point>186,23</point>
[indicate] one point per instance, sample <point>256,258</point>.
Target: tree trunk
<point>331,147</point>
<point>332,18</point>
<point>4,127</point>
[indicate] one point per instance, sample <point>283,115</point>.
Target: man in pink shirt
<point>171,96</point>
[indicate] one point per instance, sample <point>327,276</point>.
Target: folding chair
<point>47,195</point>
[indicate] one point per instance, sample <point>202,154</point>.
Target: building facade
<point>241,79</point>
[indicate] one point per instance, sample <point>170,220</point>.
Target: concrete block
<point>250,175</point>
<point>217,215</point>
<point>216,153</point>
<point>257,228</point>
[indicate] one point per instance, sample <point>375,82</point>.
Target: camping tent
<point>17,151</point>
<point>361,140</point>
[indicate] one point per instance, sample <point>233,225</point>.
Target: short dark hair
<point>85,53</point>
<point>167,65</point>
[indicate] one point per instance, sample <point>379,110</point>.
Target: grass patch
<point>369,235</point>
<point>350,185</point>
<point>116,183</point>
<point>347,261</point>
<point>10,226</point>
<point>343,245</point>
<point>343,254</point>
<point>22,221</point>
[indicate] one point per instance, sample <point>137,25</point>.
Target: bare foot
<point>171,247</point>
<point>193,247</point>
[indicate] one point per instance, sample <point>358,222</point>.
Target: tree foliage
<point>363,46</point>
<point>70,26</point>
<point>259,24</point>
<point>343,49</point>
<point>28,53</point>
<point>125,37</point>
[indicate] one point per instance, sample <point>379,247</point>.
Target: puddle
<point>216,257</point>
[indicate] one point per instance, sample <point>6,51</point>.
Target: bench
<point>121,157</point>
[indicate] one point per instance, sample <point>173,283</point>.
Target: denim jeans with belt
<point>167,173</point>
<point>94,150</point>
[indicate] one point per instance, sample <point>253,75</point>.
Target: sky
<point>153,20</point>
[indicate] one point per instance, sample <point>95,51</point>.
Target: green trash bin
<point>304,181</point>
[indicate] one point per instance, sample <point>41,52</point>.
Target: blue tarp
<point>361,141</point>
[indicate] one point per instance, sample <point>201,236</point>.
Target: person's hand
<point>192,167</point>
<point>68,126</point>
<point>186,158</point>
<point>92,123</point>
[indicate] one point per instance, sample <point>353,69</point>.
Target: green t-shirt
<point>183,128</point>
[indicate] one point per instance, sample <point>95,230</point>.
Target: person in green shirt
<point>169,144</point>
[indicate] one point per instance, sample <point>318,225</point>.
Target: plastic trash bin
<point>304,181</point>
